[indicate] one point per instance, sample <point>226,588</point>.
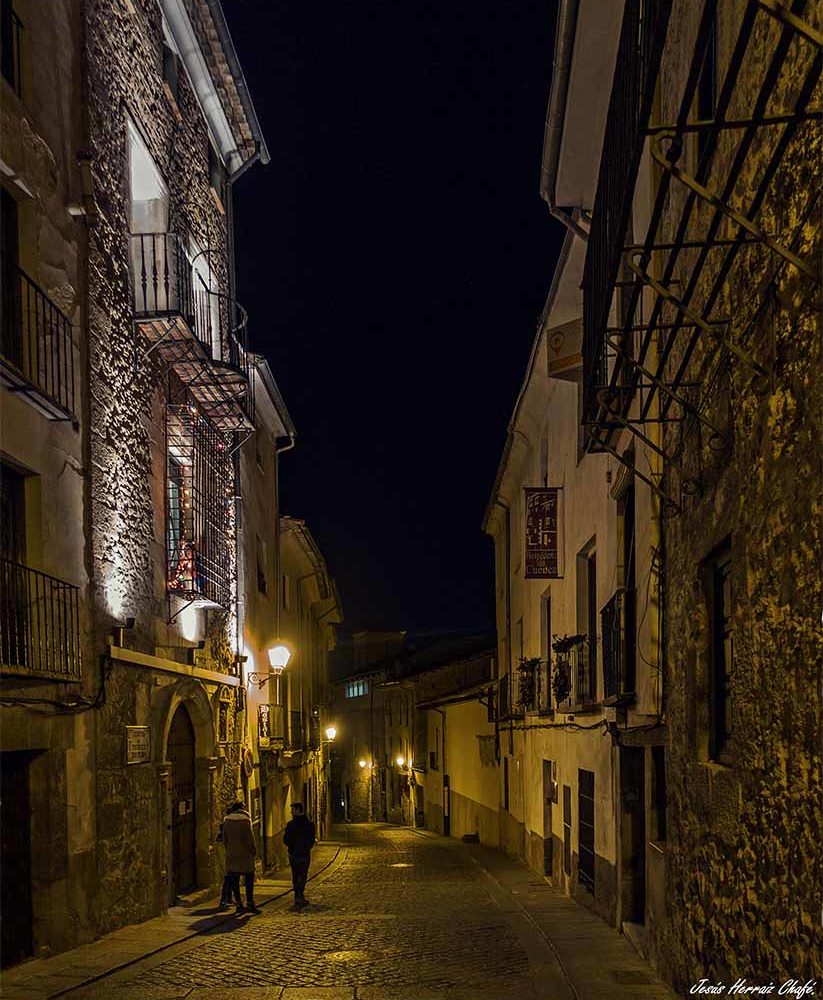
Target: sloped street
<point>399,915</point>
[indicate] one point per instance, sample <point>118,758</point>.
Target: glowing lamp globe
<point>401,761</point>
<point>331,732</point>
<point>362,763</point>
<point>279,656</point>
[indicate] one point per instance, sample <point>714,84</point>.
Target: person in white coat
<point>238,840</point>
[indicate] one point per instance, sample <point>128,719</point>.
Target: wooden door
<point>181,755</point>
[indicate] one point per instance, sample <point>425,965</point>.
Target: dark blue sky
<point>394,258</point>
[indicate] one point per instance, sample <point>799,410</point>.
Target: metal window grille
<point>39,624</point>
<point>199,507</point>
<point>709,223</point>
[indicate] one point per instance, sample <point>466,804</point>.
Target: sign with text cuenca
<point>542,535</point>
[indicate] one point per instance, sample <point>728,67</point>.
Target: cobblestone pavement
<point>400,915</point>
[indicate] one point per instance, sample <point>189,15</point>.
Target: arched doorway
<point>181,756</point>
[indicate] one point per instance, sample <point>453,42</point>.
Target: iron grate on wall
<point>199,507</point>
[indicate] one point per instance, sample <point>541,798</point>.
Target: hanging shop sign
<point>542,535</point>
<point>263,726</point>
<point>138,744</point>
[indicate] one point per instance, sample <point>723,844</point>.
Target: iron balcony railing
<point>36,350</point>
<point>189,322</point>
<point>617,620</point>
<point>39,624</point>
<point>575,675</point>
<point>640,48</point>
<point>10,50</point>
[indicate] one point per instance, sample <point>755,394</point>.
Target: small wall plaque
<point>138,744</point>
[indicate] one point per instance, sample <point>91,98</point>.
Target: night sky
<point>394,258</point>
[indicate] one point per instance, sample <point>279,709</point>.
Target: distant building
<point>389,759</point>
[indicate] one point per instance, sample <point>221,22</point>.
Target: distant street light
<point>361,763</point>
<point>331,732</point>
<point>401,761</point>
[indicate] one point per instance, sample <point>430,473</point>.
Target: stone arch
<point>166,700</point>
<point>169,698</point>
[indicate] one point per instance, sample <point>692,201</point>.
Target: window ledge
<point>624,698</point>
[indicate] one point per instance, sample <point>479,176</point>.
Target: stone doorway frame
<point>166,700</point>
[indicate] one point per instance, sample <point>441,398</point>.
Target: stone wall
<point>744,862</point>
<point>127,473</point>
<point>127,432</point>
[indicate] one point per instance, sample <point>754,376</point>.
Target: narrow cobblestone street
<point>401,916</point>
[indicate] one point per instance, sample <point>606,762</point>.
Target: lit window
<point>356,689</point>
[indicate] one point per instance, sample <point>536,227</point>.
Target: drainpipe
<point>555,114</point>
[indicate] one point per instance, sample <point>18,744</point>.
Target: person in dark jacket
<point>299,839</point>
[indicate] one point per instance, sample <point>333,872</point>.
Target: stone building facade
<point>170,405</point>
<point>48,683</point>
<point>130,517</point>
<point>742,546</point>
<point>673,396</point>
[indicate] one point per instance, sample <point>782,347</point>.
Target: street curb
<point>216,921</point>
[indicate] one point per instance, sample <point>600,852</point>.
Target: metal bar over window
<point>716,175</point>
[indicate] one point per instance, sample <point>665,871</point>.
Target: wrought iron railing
<point>574,678</point>
<point>10,49</point>
<point>167,284</point>
<point>39,624</point>
<point>35,339</point>
<point>618,639</point>
<point>639,51</point>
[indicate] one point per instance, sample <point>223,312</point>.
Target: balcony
<point>574,679</point>
<point>36,350</point>
<point>618,642</point>
<point>39,625</point>
<point>197,331</point>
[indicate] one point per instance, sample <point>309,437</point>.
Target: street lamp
<point>361,763</point>
<point>279,656</point>
<point>401,761</point>
<point>331,732</point>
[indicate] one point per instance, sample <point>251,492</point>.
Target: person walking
<point>299,839</point>
<point>225,890</point>
<point>238,839</point>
